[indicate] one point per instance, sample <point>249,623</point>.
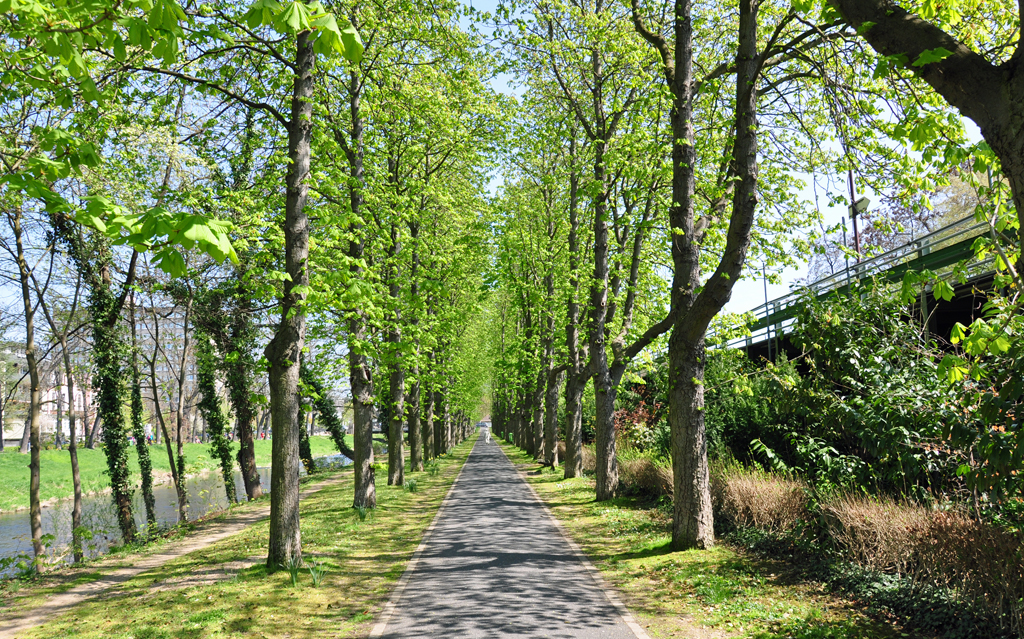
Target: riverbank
<point>55,469</point>
<point>361,558</point>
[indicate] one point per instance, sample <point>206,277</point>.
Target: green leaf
<point>262,13</point>
<point>943,290</point>
<point>958,333</point>
<point>353,44</point>
<point>928,56</point>
<point>952,368</point>
<point>86,218</point>
<point>120,52</point>
<point>999,345</point>
<point>881,69</point>
<point>802,6</point>
<point>865,27</point>
<point>294,18</point>
<point>171,262</point>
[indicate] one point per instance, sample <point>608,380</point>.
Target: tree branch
<point>965,79</point>
<point>252,104</point>
<point>657,41</point>
<point>651,334</point>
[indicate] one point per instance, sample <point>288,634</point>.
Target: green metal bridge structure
<point>948,252</point>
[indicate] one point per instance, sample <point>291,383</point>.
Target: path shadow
<point>495,565</point>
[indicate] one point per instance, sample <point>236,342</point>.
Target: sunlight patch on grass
<point>224,590</point>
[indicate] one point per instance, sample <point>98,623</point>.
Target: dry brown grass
<point>878,532</point>
<point>589,460</point>
<point>980,562</point>
<point>759,499</point>
<point>646,476</point>
<point>984,563</point>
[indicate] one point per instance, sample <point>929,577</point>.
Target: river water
<point>205,494</point>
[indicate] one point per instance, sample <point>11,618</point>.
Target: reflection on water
<point>205,494</point>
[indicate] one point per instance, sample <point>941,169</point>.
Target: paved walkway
<point>214,531</point>
<point>496,565</point>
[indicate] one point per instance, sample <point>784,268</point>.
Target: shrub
<point>745,402</point>
<point>861,407</point>
<point>928,565</point>
<point>754,498</point>
<point>645,474</point>
<point>641,415</point>
<point>981,561</point>
<point>589,460</point>
<point>876,532</point>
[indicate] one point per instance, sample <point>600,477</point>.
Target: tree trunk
<point>177,478</point>
<point>429,445</point>
<point>69,374</point>
<point>238,381</point>
<point>396,422</point>
<point>518,418</point>
<point>396,452</point>
<point>604,390</point>
<point>179,462</point>
<point>216,426</point>
<point>285,348</point>
<point>574,387</point>
<point>438,424</point>
<point>360,381</point>
<point>692,522</point>
<point>90,439</point>
<point>695,303</point>
<point>3,405</point>
<point>179,414</point>
<point>305,452</point>
<point>447,431</point>
<point>362,407</point>
<point>537,425</point>
<point>109,355</point>
<point>76,477</point>
<point>59,434</point>
<point>415,430</point>
<point>26,433</point>
<point>139,429</point>
<point>35,391</point>
<point>555,379</point>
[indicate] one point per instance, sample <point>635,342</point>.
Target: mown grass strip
<point>225,590</point>
<point>722,592</point>
<point>55,468</point>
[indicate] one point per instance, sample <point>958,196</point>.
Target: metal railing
<point>936,250</point>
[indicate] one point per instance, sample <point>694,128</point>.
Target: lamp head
<point>859,206</point>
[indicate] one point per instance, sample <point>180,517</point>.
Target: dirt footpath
<point>11,627</point>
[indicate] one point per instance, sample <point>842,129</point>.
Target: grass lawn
<point>723,592</point>
<point>55,468</point>
<point>225,591</point>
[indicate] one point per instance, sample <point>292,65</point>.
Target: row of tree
<point>665,146</point>
<point>310,179</point>
<point>301,183</point>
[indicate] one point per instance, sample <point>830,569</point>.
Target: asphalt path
<point>496,565</point>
